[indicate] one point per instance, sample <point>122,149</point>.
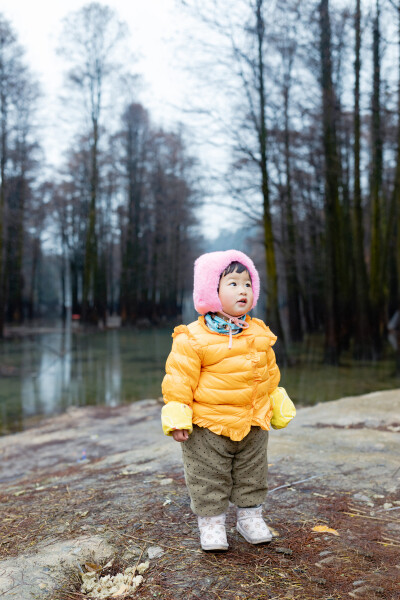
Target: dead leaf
<point>324,529</point>
<point>92,567</point>
<point>274,532</point>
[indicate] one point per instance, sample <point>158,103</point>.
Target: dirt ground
<point>103,484</point>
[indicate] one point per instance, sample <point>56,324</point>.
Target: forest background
<point>298,106</point>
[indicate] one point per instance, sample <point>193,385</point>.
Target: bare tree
<point>377,268</point>
<point>362,342</point>
<point>332,205</point>
<point>92,36</point>
<point>134,136</point>
<point>18,94</point>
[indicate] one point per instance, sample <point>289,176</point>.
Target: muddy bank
<point>103,483</point>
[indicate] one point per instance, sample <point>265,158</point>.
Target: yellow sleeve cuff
<point>176,415</point>
<point>282,407</point>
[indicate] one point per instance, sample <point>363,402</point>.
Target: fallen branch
<point>389,544</point>
<point>367,517</point>
<point>391,540</point>
<point>287,485</point>
<point>158,543</point>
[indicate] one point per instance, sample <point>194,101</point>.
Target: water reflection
<point>45,374</point>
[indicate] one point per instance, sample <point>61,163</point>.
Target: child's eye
<point>232,283</point>
<point>248,285</point>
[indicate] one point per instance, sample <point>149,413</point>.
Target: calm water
<point>45,374</point>
<point>42,375</point>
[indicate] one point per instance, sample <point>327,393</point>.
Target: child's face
<point>236,293</point>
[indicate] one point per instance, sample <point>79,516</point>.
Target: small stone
<point>166,481</point>
<point>361,590</point>
<point>325,553</point>
<point>327,561</point>
<point>284,550</point>
<point>155,552</point>
<point>359,582</point>
<point>387,505</point>
<point>361,497</point>
<point>378,496</point>
<point>319,580</point>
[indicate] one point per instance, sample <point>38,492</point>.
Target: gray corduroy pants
<point>219,470</point>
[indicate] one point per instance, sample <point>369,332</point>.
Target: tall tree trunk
<point>347,256</point>
<point>3,150</point>
<point>35,260</point>
<point>132,238</point>
<point>398,288</point>
<point>90,274</point>
<point>101,286</point>
<point>63,283</point>
<point>19,243</point>
<point>14,249</point>
<point>394,215</point>
<point>377,268</point>
<point>293,288</point>
<point>273,316</point>
<point>362,338</point>
<point>135,120</point>
<point>332,207</point>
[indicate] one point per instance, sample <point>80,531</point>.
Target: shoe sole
<point>250,541</point>
<point>215,548</point>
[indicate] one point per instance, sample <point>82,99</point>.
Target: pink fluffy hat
<point>207,271</point>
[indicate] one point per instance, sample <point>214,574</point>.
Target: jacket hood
<point>207,270</point>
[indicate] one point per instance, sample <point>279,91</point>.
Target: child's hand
<point>180,435</point>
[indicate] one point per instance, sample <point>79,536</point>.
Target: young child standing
<point>219,378</point>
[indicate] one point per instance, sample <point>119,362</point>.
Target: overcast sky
<point>158,30</point>
<point>155,27</point>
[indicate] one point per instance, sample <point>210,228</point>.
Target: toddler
<point>219,377</point>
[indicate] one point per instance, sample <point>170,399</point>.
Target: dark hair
<point>234,266</point>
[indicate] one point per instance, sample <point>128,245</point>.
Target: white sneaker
<point>213,532</point>
<point>252,526</point>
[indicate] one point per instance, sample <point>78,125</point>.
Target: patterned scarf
<point>219,325</point>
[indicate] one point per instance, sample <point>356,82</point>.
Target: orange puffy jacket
<point>227,389</point>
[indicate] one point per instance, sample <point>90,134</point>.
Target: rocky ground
<point>101,489</point>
